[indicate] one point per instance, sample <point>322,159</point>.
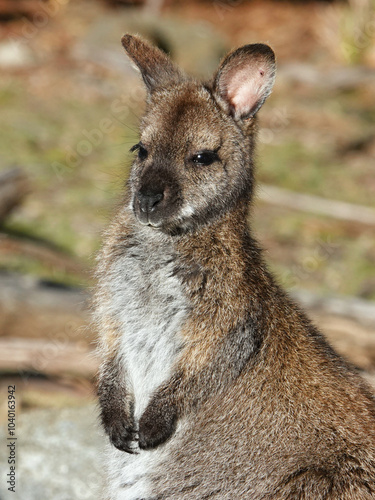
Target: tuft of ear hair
<point>156,67</point>
<point>245,79</point>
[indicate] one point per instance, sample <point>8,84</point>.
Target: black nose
<point>148,200</point>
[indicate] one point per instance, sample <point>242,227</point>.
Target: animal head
<point>194,159</point>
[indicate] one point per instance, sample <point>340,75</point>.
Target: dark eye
<point>205,158</point>
<point>142,151</point>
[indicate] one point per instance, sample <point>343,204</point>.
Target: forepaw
<point>122,435</point>
<point>124,438</point>
<point>157,425</point>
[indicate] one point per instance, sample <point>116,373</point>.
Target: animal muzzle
<point>157,197</point>
<point>156,207</point>
<point>148,205</point>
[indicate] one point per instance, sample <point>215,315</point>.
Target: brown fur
<point>270,410</point>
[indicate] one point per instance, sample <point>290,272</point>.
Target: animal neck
<point>220,246</point>
<point>226,277</point>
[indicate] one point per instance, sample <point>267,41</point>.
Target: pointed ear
<point>156,67</point>
<point>245,79</point>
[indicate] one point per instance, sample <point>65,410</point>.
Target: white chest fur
<point>148,302</point>
<point>150,306</point>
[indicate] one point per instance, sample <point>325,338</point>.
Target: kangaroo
<point>214,383</point>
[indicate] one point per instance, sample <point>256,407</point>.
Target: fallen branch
<point>316,205</point>
<point>50,257</point>
<point>29,308</point>
<point>50,357</point>
<point>350,307</point>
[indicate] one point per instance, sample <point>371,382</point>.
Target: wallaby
<point>214,384</point>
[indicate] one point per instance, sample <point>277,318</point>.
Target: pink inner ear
<point>245,88</point>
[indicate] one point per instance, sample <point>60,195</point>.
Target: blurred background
<point>70,107</point>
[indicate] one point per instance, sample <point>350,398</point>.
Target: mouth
<point>160,215</point>
<point>147,219</point>
<point>170,218</point>
<point>168,225</point>
<point>150,224</point>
